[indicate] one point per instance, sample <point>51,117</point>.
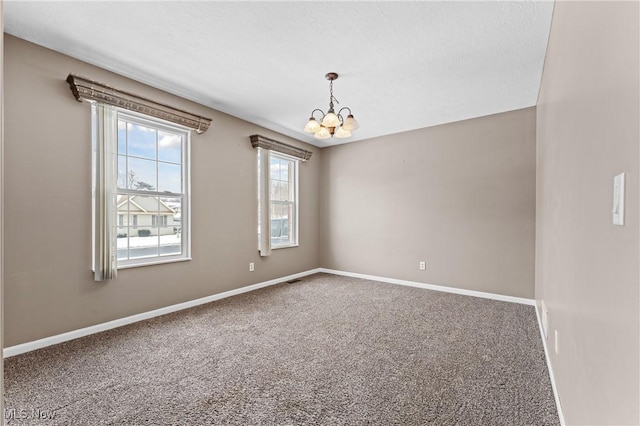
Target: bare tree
<point>135,183</point>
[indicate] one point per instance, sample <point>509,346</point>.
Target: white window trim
<point>264,199</point>
<point>296,162</point>
<point>110,271</point>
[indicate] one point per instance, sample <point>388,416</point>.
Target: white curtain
<point>105,173</point>
<point>264,201</point>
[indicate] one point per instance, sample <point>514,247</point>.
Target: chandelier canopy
<point>331,124</point>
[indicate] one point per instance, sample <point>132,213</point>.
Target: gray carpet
<point>325,350</point>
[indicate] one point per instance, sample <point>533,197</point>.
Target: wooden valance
<point>274,145</point>
<point>84,88</point>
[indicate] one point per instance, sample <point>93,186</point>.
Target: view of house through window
<point>151,195</point>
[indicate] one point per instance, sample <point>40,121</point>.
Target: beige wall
<point>48,281</point>
<point>587,268</point>
<point>459,196</point>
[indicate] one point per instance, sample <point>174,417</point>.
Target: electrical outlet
<point>556,341</point>
<point>251,267</point>
<point>423,266</point>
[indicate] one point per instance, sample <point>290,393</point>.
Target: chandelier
<point>331,124</point>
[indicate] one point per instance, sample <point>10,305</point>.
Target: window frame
<point>293,229</point>
<point>185,194</point>
<point>264,157</point>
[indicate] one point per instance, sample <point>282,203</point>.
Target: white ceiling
<point>402,65</point>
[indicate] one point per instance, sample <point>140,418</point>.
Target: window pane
<point>122,232</point>
<point>143,236</point>
<point>141,141</point>
<point>275,169</point>
<point>122,171</point>
<point>172,208</point>
<point>169,177</point>
<point>139,251</point>
<point>290,223</point>
<point>280,224</point>
<point>284,170</point>
<point>169,147</point>
<point>276,228</point>
<point>122,137</point>
<point>122,243</point>
<point>141,174</point>
<point>151,227</point>
<point>291,189</point>
<point>274,213</point>
<point>169,222</point>
<point>285,230</point>
<point>284,191</point>
<point>170,240</point>
<point>122,206</point>
<point>274,191</point>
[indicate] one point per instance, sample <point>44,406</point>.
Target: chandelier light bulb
<point>341,132</point>
<point>350,123</point>
<point>330,120</point>
<point>323,133</point>
<point>312,126</point>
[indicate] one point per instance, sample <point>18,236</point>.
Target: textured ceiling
<point>402,65</point>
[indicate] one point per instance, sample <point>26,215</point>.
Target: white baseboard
<point>75,334</point>
<point>64,337</point>
<point>462,291</point>
<point>551,375</point>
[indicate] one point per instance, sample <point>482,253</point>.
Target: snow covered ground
<point>151,241</point>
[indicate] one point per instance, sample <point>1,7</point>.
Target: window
<point>159,220</point>
<point>150,187</point>
<point>278,195</point>
<point>282,186</point>
<point>140,169</point>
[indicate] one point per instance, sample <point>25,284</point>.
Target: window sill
<point>284,247</point>
<point>154,262</point>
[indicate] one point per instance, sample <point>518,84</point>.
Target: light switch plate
<point>618,199</point>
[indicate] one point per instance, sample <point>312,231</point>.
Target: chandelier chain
<point>331,97</point>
